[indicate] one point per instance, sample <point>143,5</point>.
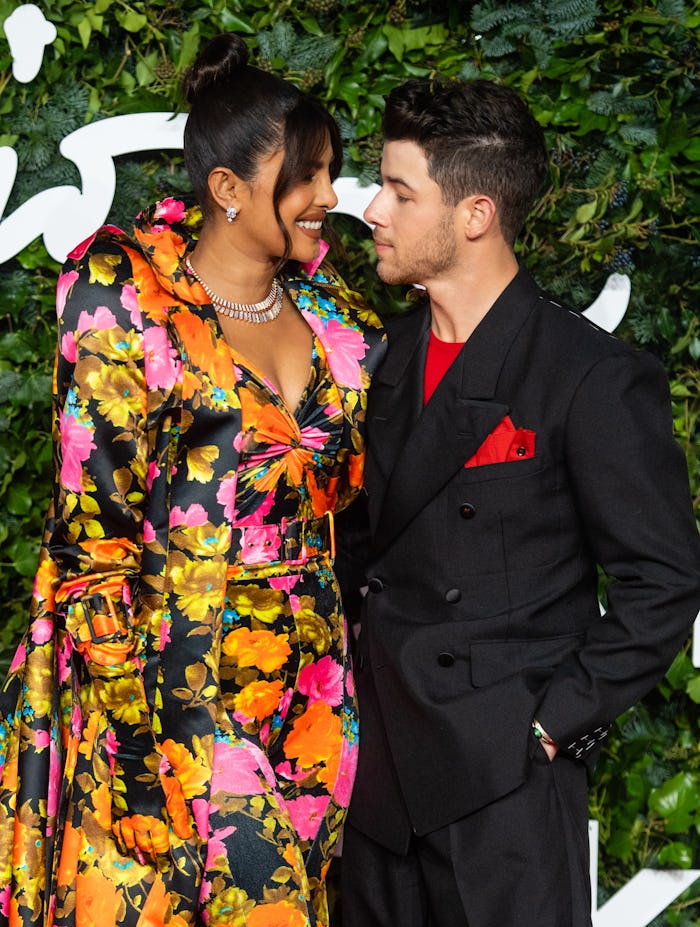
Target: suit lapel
<point>415,451</point>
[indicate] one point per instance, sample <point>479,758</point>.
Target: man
<point>513,448</point>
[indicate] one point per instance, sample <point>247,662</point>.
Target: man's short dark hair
<point>478,137</point>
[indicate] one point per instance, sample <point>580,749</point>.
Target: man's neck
<point>460,301</point>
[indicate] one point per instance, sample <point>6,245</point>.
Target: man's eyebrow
<point>398,181</point>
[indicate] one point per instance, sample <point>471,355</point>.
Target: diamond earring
<point>231,213</point>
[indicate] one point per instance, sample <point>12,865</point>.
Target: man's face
<point>415,233</point>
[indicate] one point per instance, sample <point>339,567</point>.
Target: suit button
<point>467,510</point>
<point>521,451</point>
<point>375,584</point>
<point>453,595</point>
<point>446,659</point>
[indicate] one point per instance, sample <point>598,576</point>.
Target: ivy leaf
<point>678,802</point>
<point>676,856</point>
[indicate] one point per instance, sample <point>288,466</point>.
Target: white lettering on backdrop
<point>66,215</point>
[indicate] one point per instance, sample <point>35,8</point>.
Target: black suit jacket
<point>482,610</point>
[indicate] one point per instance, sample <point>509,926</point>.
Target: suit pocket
<point>533,660</point>
<point>504,517</point>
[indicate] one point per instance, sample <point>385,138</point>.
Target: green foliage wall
<point>614,84</point>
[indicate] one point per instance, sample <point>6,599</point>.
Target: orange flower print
<point>97,900</point>
<point>156,906</point>
<point>102,803</point>
<point>190,771</point>
<point>143,832</point>
<point>263,649</point>
<point>315,736</point>
<point>279,914</point>
<point>203,349</point>
<point>258,700</point>
<point>70,850</point>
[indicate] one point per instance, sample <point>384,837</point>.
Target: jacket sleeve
<point>630,481</point>
<point>100,452</point>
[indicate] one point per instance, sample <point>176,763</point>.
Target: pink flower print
<point>5,901</point>
<point>170,209</point>
<point>260,544</point>
<point>216,846</point>
<point>161,359</point>
<point>306,813</point>
<point>344,347</point>
<point>65,282</point>
<point>342,790</point>
<point>19,658</point>
<point>102,319</point>
<point>350,683</point>
<point>152,473</point>
<point>235,770</point>
<point>165,622</point>
<point>284,583</point>
<point>194,516</point>
<point>285,771</point>
<point>311,267</point>
<point>226,496</point>
<point>322,681</point>
<point>129,301</point>
<point>76,446</point>
<point>42,630</point>
<point>68,347</point>
<point>200,813</point>
<point>149,532</point>
<point>256,517</point>
<point>54,780</point>
<point>41,739</point>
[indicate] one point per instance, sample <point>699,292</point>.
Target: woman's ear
<point>225,188</point>
<point>479,215</point>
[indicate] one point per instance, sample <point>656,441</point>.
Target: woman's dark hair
<point>477,137</point>
<point>240,113</point>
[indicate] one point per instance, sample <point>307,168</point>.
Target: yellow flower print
<point>263,649</point>
<point>199,461</point>
<point>259,699</point>
<point>199,586</point>
<point>120,393</point>
<point>204,540</point>
<point>102,268</point>
<point>231,907</point>
<point>313,629</point>
<point>264,605</point>
<point>123,696</point>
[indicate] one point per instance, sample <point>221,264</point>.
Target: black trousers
<point>522,861</point>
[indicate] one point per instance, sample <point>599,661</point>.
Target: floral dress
<point>178,732</point>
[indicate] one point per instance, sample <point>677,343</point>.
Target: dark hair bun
<point>224,55</point>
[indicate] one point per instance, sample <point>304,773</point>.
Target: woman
<point>179,726</point>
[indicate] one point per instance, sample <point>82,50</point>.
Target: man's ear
<point>225,187</point>
<point>479,215</point>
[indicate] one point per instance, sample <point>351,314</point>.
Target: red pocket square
<point>506,442</point>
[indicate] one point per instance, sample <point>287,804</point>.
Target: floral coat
<point>112,711</point>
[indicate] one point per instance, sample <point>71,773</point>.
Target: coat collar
<point>413,450</point>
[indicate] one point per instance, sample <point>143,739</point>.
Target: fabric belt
<point>292,541</point>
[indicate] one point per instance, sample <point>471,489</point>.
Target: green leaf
<point>676,856</point>
<point>586,211</point>
<point>692,150</point>
<point>132,21</point>
<point>677,801</point>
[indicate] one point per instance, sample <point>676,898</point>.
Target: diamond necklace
<point>266,310</point>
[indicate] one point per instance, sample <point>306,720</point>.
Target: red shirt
<point>439,357</point>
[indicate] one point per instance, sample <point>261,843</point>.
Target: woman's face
<point>302,209</point>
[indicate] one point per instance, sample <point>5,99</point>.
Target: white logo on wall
<point>66,215</point>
